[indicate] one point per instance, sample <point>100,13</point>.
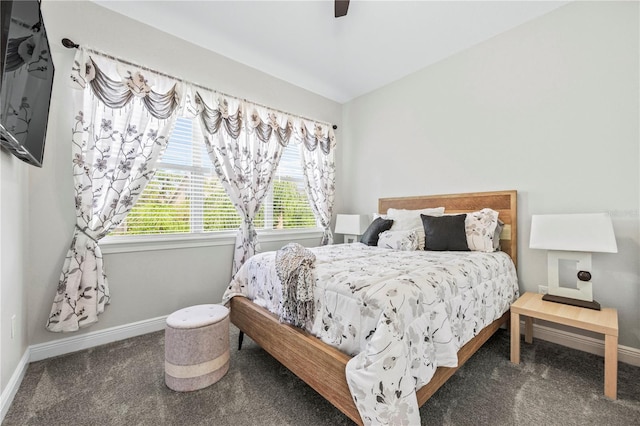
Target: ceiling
<point>301,42</point>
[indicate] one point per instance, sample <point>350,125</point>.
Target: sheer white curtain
<point>245,143</point>
<point>121,126</point>
<point>318,158</point>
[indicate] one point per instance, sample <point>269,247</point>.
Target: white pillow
<point>406,220</point>
<point>399,240</point>
<point>480,228</point>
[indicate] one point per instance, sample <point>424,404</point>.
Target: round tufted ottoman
<point>196,347</point>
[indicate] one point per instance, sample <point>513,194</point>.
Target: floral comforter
<point>400,314</point>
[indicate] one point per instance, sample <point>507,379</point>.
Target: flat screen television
<point>26,79</point>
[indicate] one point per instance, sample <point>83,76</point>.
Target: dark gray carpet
<point>123,384</point>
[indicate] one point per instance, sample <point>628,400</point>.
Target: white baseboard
<point>626,354</point>
<point>95,338</point>
<point>12,387</point>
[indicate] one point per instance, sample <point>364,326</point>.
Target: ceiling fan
<point>341,7</point>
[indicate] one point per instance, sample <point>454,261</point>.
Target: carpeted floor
<point>123,384</point>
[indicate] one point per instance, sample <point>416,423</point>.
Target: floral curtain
<point>123,120</point>
<point>318,153</point>
<point>245,143</point>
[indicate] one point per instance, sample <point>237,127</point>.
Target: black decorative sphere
<point>584,276</point>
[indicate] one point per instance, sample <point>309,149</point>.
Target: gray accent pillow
<point>445,233</point>
<point>372,234</point>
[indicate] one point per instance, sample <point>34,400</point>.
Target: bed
<point>322,366</point>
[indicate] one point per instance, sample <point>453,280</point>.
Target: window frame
<point>133,243</point>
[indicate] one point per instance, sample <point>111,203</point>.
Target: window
<point>185,195</point>
<point>287,206</point>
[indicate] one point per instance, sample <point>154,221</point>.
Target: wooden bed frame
<point>323,367</point>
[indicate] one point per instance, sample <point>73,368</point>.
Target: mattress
<point>400,314</point>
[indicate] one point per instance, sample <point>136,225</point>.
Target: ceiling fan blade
<point>341,7</point>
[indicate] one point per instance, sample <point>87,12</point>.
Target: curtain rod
<point>69,44</point>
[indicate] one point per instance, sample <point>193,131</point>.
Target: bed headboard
<point>504,202</point>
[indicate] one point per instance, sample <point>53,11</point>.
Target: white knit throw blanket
<point>295,266</point>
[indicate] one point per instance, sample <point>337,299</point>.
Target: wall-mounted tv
<point>26,78</point>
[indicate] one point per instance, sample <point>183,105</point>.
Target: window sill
<point>126,244</point>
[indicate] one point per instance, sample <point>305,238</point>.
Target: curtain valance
<point>321,136</point>
<point>213,117</point>
<point>219,111</point>
<point>116,85</point>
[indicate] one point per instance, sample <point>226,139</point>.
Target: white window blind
<point>185,195</point>
<point>287,205</point>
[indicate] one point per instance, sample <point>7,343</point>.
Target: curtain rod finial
<point>69,44</point>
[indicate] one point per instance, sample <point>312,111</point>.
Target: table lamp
<point>572,237</point>
<point>352,226</point>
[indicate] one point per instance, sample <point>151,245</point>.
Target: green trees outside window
<point>167,207</point>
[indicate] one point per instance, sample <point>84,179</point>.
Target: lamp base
<point>348,238</point>
<point>573,302</point>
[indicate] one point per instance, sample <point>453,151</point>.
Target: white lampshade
<point>591,232</point>
<point>352,224</point>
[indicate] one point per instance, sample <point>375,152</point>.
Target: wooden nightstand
<point>605,321</point>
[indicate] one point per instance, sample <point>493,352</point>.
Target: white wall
<point>13,291</point>
<point>549,109</point>
<point>143,284</point>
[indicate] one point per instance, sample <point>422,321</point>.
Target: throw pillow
<point>371,235</point>
<point>445,233</point>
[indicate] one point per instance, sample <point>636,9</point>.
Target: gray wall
<point>13,236</point>
<point>549,109</point>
